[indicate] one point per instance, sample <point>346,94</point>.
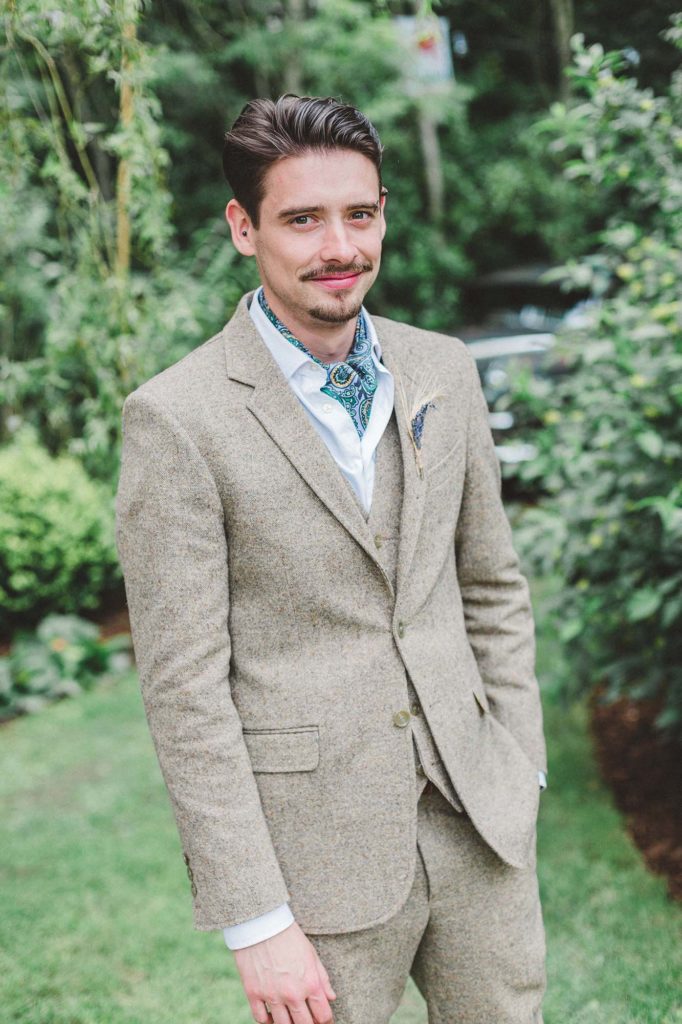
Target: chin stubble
<point>334,316</point>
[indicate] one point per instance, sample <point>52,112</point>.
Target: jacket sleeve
<point>173,549</point>
<point>495,596</point>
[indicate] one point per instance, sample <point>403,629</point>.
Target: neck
<point>329,342</point>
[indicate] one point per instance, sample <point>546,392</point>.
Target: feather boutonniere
<point>416,403</point>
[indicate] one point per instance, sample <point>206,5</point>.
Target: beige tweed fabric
<point>470,934</point>
<point>273,648</point>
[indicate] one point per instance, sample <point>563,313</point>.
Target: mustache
<point>351,268</point>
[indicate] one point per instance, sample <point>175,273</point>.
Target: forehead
<point>320,178</point>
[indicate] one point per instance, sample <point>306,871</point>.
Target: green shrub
<point>57,546</point>
<point>61,659</point>
<point>610,450</point>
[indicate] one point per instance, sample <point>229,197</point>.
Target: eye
<point>302,220</point>
<point>361,215</point>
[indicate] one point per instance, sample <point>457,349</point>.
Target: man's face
<point>318,243</point>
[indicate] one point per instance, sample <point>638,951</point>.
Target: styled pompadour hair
<point>269,130</point>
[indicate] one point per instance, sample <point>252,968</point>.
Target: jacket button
<point>401,719</point>
<point>401,628</point>
<point>415,708</point>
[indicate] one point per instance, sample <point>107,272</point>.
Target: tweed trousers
<point>470,935</point>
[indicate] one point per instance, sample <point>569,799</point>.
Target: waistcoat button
<point>378,540</point>
<point>401,719</point>
<point>401,629</point>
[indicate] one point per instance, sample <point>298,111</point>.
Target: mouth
<point>335,282</point>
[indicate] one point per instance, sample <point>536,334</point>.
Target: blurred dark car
<point>516,316</point>
<point>496,359</point>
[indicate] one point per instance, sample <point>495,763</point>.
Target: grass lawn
<point>96,926</point>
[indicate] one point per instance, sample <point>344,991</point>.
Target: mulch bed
<point>112,618</point>
<point>113,621</point>
<point>644,772</point>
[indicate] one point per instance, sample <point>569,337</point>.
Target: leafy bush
<point>610,449</point>
<point>57,546</point>
<point>98,295</point>
<point>61,659</point>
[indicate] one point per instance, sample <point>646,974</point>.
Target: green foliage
<point>623,142</point>
<point>610,448</point>
<point>78,332</point>
<point>57,547</point>
<point>527,214</point>
<point>61,659</point>
<point>81,323</point>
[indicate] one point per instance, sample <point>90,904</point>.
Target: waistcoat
<point>384,523</point>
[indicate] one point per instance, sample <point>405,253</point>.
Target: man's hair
<point>269,130</point>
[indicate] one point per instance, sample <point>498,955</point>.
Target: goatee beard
<point>335,316</point>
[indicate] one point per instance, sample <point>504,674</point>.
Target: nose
<point>337,244</point>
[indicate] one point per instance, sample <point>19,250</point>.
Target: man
<point>334,640</point>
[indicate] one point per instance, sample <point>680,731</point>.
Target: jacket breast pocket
<point>444,476</point>
<point>480,694</point>
<point>444,462</point>
<point>295,749</point>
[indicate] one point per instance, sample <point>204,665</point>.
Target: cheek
<point>292,258</point>
<point>372,244</point>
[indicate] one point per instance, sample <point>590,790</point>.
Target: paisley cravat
<point>352,382</point>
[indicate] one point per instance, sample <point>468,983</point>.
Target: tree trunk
<point>562,14</point>
<point>433,165</point>
<point>123,172</point>
<point>293,80</point>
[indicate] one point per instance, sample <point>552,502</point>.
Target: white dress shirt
<point>356,458</point>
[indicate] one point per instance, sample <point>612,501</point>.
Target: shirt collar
<point>288,356</point>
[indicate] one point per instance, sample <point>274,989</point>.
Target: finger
<point>326,983</point>
<point>259,1011</point>
<point>300,1013</point>
<point>279,1013</point>
<point>320,1009</point>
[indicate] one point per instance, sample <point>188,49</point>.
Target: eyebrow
<point>364,205</point>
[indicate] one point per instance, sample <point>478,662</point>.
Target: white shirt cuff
<point>543,780</point>
<point>257,929</point>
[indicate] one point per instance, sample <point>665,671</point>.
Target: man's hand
<point>286,973</point>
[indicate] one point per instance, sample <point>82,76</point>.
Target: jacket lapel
<point>281,415</point>
<point>394,356</point>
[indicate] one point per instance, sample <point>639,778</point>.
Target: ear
<point>382,203</point>
<point>240,227</point>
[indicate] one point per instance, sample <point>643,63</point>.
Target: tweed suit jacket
<point>273,649</point>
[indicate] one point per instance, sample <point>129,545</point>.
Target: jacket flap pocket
<point>283,750</point>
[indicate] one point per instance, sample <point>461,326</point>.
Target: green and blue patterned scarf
<point>353,382</point>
